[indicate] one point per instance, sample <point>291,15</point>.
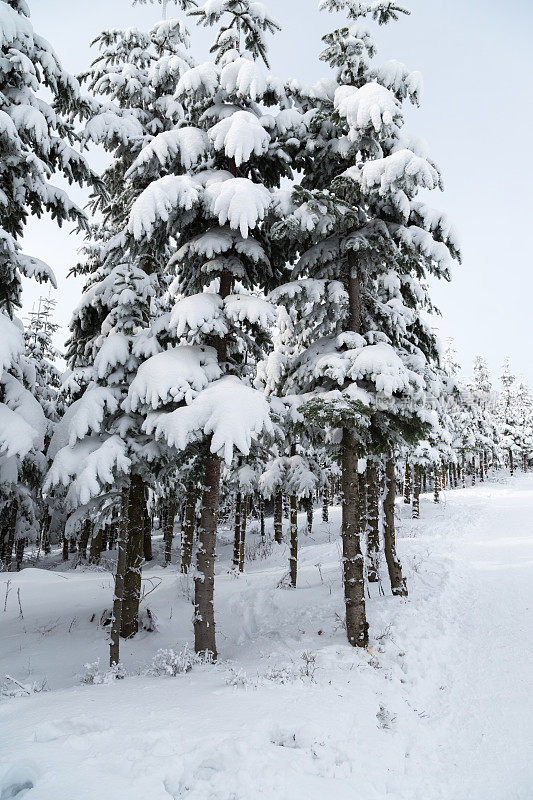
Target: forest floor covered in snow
<point>438,708</point>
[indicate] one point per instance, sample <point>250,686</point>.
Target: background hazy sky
<point>477,115</point>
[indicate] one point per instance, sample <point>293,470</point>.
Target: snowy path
<point>493,695</point>
<point>440,709</point>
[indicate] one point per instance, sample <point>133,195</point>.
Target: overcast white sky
<point>477,116</point>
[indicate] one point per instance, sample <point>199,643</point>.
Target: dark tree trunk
<point>85,535</point>
<point>278,517</point>
<point>244,517</point>
<point>64,552</point>
<point>19,553</point>
<point>372,516</point>
<point>45,533</point>
<point>293,557</point>
<point>463,472</point>
<point>116,621</point>
<point>325,503</point>
<point>204,582</point>
<point>187,531</point>
<point>473,471</point>
<point>397,581</point>
<point>147,532</point>
<point>237,531</point>
<point>354,582</point>
<point>436,484</point>
<point>511,462</point>
<point>416,491</point>
<point>407,483</point>
<point>96,547</point>
<point>262,518</point>
<point>309,513</point>
<point>134,558</point>
<point>11,532</point>
<point>168,529</point>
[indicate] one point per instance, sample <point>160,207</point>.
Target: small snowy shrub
<point>172,663</point>
<point>10,687</point>
<point>93,677</point>
<point>147,620</point>
<point>259,551</point>
<point>238,677</point>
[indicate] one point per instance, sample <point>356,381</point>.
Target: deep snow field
<point>440,707</point>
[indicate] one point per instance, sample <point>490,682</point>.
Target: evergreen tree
<point>363,246</point>
<point>36,141</point>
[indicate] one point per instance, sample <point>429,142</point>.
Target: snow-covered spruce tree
<point>481,388</point>
<point>35,142</point>
<point>507,417</point>
<point>210,191</point>
<point>42,356</point>
<point>133,82</point>
<point>366,245</point>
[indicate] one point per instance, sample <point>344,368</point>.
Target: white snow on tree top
<point>245,78</point>
<point>198,313</point>
<point>370,106</point>
<point>227,410</point>
<point>240,202</point>
<point>157,202</point>
<point>173,376</point>
<point>189,143</point>
<point>240,135</point>
<point>240,307</point>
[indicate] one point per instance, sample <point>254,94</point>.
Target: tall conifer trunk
<point>204,581</point>
<point>325,503</point>
<point>353,563</point>
<point>10,536</point>
<point>372,502</point>
<point>416,491</point>
<point>407,483</point>
<point>237,531</point>
<point>397,581</point>
<point>244,517</point>
<point>134,559</point>
<point>116,620</point>
<point>187,533</point>
<point>168,529</point>
<point>278,517</point>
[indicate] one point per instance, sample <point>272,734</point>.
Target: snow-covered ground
<point>439,708</point>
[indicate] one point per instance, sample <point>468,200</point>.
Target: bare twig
<point>8,588</point>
